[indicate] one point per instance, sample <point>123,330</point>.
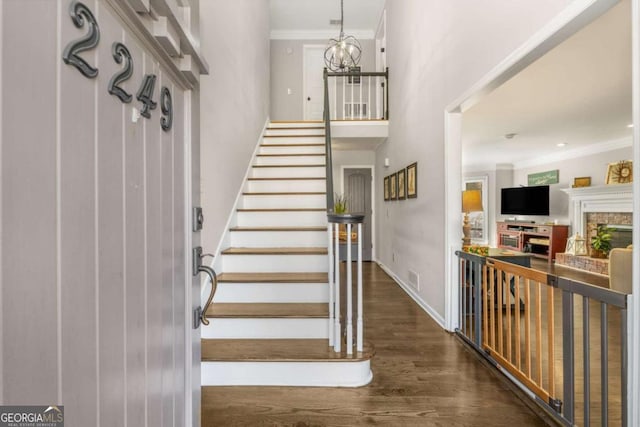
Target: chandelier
<point>344,52</point>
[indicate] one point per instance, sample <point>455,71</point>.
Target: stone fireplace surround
<point>591,206</point>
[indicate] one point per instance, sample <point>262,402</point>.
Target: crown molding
<point>318,34</point>
<point>587,150</point>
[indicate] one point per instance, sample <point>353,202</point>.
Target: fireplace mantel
<point>602,198</point>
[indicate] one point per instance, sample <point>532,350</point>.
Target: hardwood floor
<point>423,376</point>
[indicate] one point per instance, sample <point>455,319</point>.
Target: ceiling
<point>361,17</point>
<point>578,94</point>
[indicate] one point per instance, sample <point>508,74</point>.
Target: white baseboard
<point>417,298</point>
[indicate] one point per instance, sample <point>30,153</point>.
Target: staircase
<point>269,321</point>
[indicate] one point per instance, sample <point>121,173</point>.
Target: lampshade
<point>345,51</point>
<point>471,201</point>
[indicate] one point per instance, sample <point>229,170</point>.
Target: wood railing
<point>341,317</point>
<point>537,327</point>
<point>357,95</point>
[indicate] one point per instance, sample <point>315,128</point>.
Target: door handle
<point>200,314</point>
<point>308,98</point>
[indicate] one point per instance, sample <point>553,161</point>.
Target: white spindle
<point>331,279</point>
<point>360,116</point>
<point>337,336</point>
<point>377,91</point>
<point>349,290</point>
<point>360,327</point>
<point>353,99</point>
<point>344,99</point>
<point>335,98</point>
<point>369,97</point>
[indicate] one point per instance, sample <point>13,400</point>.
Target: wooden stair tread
<point>284,193</point>
<point>283,210</point>
<point>275,251</point>
<point>302,178</point>
<point>294,136</point>
<point>290,166</point>
<point>273,278</point>
<point>278,229</point>
<point>278,350</point>
<point>296,128</point>
<point>269,310</point>
<point>292,155</point>
<point>291,145</point>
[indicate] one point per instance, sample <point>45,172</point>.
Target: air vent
<point>414,280</point>
<point>335,21</point>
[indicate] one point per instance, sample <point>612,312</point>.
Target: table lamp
<point>471,202</point>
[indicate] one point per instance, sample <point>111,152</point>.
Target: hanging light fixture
<point>344,52</point>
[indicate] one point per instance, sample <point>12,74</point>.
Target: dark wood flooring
<point>423,376</point>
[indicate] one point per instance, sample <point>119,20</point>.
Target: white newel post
<point>335,336</point>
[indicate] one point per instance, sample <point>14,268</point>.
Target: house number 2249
<point>81,14</point>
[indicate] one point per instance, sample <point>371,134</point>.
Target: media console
<point>541,240</point>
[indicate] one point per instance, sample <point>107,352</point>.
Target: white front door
<point>313,81</point>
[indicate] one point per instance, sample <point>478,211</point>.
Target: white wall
<point>436,50</point>
<point>286,73</point>
<point>594,165</point>
<point>234,102</point>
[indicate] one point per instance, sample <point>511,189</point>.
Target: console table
<point>540,240</point>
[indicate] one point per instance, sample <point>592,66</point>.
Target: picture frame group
<point>402,184</point>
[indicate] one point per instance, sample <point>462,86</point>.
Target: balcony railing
<point>537,328</point>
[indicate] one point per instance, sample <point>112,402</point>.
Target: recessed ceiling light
<point>561,144</point>
<point>630,125</point>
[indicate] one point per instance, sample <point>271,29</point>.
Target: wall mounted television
<point>525,200</point>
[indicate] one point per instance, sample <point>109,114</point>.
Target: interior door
<point>313,82</point>
<point>357,188</point>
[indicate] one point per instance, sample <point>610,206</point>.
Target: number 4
<point>145,95</point>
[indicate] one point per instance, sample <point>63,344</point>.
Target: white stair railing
<point>336,331</point>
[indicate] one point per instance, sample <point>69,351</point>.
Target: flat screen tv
<point>525,200</point>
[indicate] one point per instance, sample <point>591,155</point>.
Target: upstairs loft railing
<point>358,95</point>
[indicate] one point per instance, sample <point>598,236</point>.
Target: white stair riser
<point>282,239</point>
<point>288,140</point>
<point>291,150</point>
<point>275,263</point>
<point>297,125</point>
<point>284,201</point>
<point>261,328</point>
<point>272,292</point>
<point>296,131</point>
<point>299,374</point>
<point>298,172</point>
<point>305,185</point>
<point>288,160</point>
<point>282,219</point>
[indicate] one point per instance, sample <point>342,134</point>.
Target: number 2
<point>79,12</point>
<point>121,53</point>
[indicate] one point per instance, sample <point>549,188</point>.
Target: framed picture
<point>393,186</point>
<point>620,172</point>
<point>412,181</point>
<point>355,80</point>
<point>386,188</point>
<point>402,184</point>
<point>544,178</point>
<point>582,181</point>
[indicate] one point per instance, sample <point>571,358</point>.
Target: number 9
<point>166,105</point>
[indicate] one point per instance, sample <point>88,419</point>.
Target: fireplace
<point>592,207</point>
